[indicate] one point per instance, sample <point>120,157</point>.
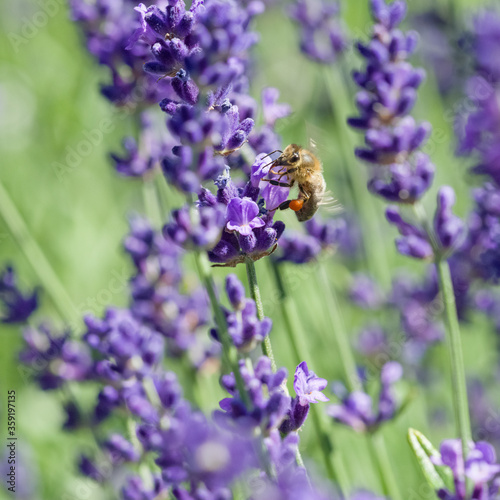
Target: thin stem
<point>380,456</point>
<point>35,256</point>
<point>300,351</point>
<point>340,335</point>
<point>374,245</point>
<point>228,347</point>
<point>266,345</point>
<point>255,294</point>
<point>375,441</point>
<point>453,339</point>
<point>454,346</point>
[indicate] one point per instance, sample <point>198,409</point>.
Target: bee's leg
<point>276,183</point>
<point>281,171</point>
<point>284,205</point>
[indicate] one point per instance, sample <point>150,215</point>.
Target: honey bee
<point>300,166</point>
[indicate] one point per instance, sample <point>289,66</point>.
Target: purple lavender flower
<point>244,328</point>
<point>249,233</point>
<point>144,155</point>
<point>17,307</point>
<point>419,310</point>
<point>264,138</point>
<point>107,27</point>
<point>389,86</point>
<point>128,347</point>
<point>242,216</point>
<point>448,227</point>
<point>416,241</point>
<point>197,228</point>
<point>364,292</point>
<point>273,195</point>
<point>308,389</point>
<point>357,411</point>
<point>322,36</point>
<point>320,236</point>
<point>269,403</point>
<point>55,359</point>
<point>373,342</point>
<point>480,469</point>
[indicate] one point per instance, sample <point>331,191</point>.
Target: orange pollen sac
<point>296,205</point>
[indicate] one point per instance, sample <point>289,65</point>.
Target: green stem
<point>375,253</point>
<point>375,441</point>
<point>300,351</point>
<point>255,294</point>
<point>340,335</point>
<point>229,350</point>
<point>35,256</point>
<point>454,346</point>
<point>380,456</point>
<point>266,345</point>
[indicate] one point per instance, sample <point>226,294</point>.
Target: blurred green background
<point>49,103</point>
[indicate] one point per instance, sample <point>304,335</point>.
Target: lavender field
<point>250,249</point>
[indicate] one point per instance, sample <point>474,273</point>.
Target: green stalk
<point>347,361</point>
<point>336,471</point>
<point>453,340</point>
<point>255,294</point>
<point>230,352</point>
<point>374,248</point>
<point>35,256</point>
<point>454,346</point>
<point>376,441</point>
<point>380,456</point>
<point>266,345</point>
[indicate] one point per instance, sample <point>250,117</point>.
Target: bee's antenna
<point>272,152</point>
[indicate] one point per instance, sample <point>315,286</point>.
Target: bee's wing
<point>329,205</point>
<point>320,142</point>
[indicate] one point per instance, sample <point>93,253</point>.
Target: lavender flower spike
<point>401,173</point>
<point>17,307</point>
<point>480,468</point>
<point>242,216</point>
<point>308,386</point>
<point>308,389</point>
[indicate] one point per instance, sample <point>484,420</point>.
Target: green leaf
<point>423,450</point>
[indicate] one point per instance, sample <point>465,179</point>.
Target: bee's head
<point>290,156</point>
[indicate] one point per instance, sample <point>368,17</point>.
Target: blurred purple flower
<point>17,307</point>
<point>357,410</point>
<point>322,37</point>
<point>480,468</point>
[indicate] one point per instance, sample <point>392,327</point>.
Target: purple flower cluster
<point>141,156</point>
<point>399,173</point>
<point>356,409</point>
<point>480,470</point>
<point>416,241</point>
<point>249,231</point>
<point>308,389</point>
<point>107,26</point>
<point>322,37</point>
<point>319,236</point>
<point>245,329</point>
<point>157,299</point>
<point>389,83</point>
<point>479,135</point>
<point>17,306</point>
<point>203,53</point>
<point>54,359</point>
